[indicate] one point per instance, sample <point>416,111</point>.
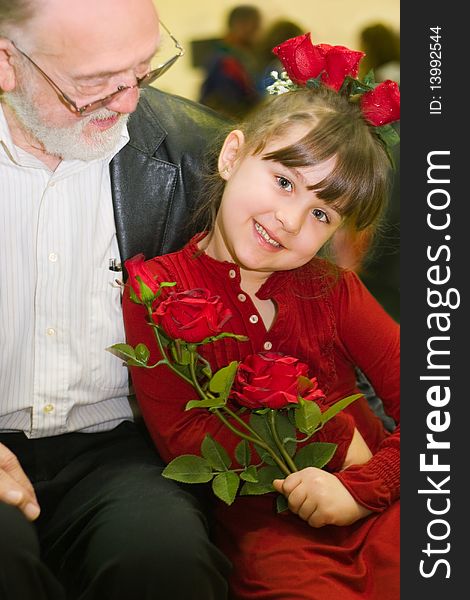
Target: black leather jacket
<point>156,177</point>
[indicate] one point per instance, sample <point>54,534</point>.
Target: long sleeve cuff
<point>376,484</point>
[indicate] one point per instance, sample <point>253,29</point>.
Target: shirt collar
<point>229,270</point>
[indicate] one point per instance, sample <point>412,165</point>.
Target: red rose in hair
<point>271,380</point>
<point>382,104</point>
<point>303,61</point>
<point>137,267</point>
<point>192,315</point>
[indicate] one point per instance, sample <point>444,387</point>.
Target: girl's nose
<point>290,219</point>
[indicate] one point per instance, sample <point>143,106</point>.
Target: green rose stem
<point>257,441</point>
<point>254,437</point>
<point>162,349</point>
<point>279,444</point>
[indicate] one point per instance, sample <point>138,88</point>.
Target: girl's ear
<point>7,72</point>
<point>229,153</point>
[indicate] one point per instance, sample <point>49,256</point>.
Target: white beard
<point>69,142</point>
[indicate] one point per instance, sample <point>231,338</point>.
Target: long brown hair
<point>357,187</point>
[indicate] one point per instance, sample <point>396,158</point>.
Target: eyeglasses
<point>140,81</point>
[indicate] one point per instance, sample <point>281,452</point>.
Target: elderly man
<point>86,182</point>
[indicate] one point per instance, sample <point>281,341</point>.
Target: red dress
<point>332,324</point>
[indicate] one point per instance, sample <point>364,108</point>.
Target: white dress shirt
<point>59,304</point>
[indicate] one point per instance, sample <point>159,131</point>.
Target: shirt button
<point>267,345</point>
<point>254,319</point>
<point>53,257</point>
<point>48,408</point>
<point>232,273</point>
<point>50,331</point>
<point>51,184</point>
<point>242,297</point>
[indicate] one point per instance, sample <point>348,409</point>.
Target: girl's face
<point>269,220</point>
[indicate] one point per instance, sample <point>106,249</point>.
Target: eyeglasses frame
<point>147,79</point>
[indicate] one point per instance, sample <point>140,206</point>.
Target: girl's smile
<point>270,219</point>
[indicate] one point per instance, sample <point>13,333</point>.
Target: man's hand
<point>319,498</point>
<point>15,487</point>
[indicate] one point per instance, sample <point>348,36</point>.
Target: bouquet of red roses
<point>268,399</point>
<point>311,65</point>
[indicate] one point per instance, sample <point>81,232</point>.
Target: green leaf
<point>316,454</point>
<point>266,476</point>
<point>206,371</point>
<point>188,468</point>
<point>133,296</point>
<point>225,486</point>
<point>307,416</point>
<point>206,403</point>
<point>221,382</point>
<point>285,429</point>
<point>142,353</point>
<point>388,135</point>
<point>250,474</point>
<point>215,454</point>
<point>180,353</point>
<point>369,79</point>
<point>259,424</point>
<point>243,453</point>
<point>315,82</point>
<point>338,406</point>
<point>123,351</point>
<point>281,503</point>
<point>225,334</point>
<point>352,86</point>
<point>146,293</point>
<point>167,284</point>
<point>128,354</point>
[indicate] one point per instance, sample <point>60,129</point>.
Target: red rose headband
<point>309,65</point>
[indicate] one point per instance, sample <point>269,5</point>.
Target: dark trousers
<point>110,528</point>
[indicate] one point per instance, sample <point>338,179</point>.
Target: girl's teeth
<point>265,235</point>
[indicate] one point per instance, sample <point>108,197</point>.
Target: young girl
<point>304,165</point>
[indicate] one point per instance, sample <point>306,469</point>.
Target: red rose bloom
<point>137,267</point>
<point>382,104</point>
<point>271,380</point>
<point>192,315</point>
<point>303,61</point>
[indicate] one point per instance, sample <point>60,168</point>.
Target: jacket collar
<point>143,186</point>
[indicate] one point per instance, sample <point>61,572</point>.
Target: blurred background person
<point>230,83</point>
<point>279,31</point>
<point>381,43</point>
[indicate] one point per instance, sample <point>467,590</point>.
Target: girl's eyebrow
<point>299,175</point>
<point>294,172</point>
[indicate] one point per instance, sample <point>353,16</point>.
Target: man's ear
<point>7,71</point>
<point>229,153</point>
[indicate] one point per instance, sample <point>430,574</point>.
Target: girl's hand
<point>319,498</point>
<point>358,452</point>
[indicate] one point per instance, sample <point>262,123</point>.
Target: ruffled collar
<point>268,289</point>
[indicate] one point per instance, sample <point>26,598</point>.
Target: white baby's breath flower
<point>281,84</point>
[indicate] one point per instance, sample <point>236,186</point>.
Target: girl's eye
<point>320,215</point>
<point>284,184</point>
